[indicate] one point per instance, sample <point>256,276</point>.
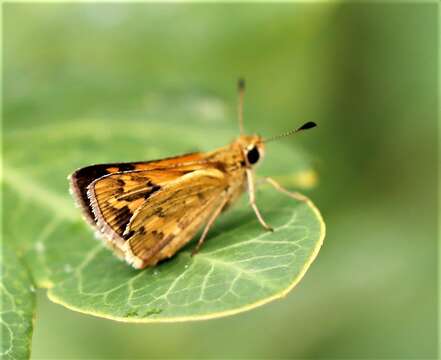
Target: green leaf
<point>239,267</point>
<point>17,307</point>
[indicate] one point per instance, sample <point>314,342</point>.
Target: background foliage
<point>365,73</point>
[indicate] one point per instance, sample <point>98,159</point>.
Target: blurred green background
<point>366,73</point>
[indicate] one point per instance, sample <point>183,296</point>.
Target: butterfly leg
<point>252,199</point>
<point>207,227</point>
<point>280,188</point>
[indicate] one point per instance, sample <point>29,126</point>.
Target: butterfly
<point>146,211</point>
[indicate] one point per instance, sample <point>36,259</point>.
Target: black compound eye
<point>253,155</point>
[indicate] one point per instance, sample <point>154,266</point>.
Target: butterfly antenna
<point>241,91</point>
<point>306,126</point>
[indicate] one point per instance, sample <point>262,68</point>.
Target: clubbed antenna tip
<point>306,126</point>
<point>241,84</point>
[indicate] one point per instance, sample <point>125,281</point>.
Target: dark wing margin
<point>79,181</point>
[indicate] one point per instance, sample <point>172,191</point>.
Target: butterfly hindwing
<point>168,220</point>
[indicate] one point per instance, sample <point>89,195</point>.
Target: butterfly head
<point>252,148</point>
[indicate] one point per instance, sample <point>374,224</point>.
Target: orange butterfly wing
<point>147,211</point>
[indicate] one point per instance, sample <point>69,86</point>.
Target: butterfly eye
<point>253,155</point>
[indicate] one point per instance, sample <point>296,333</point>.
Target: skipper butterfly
<point>146,211</point>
